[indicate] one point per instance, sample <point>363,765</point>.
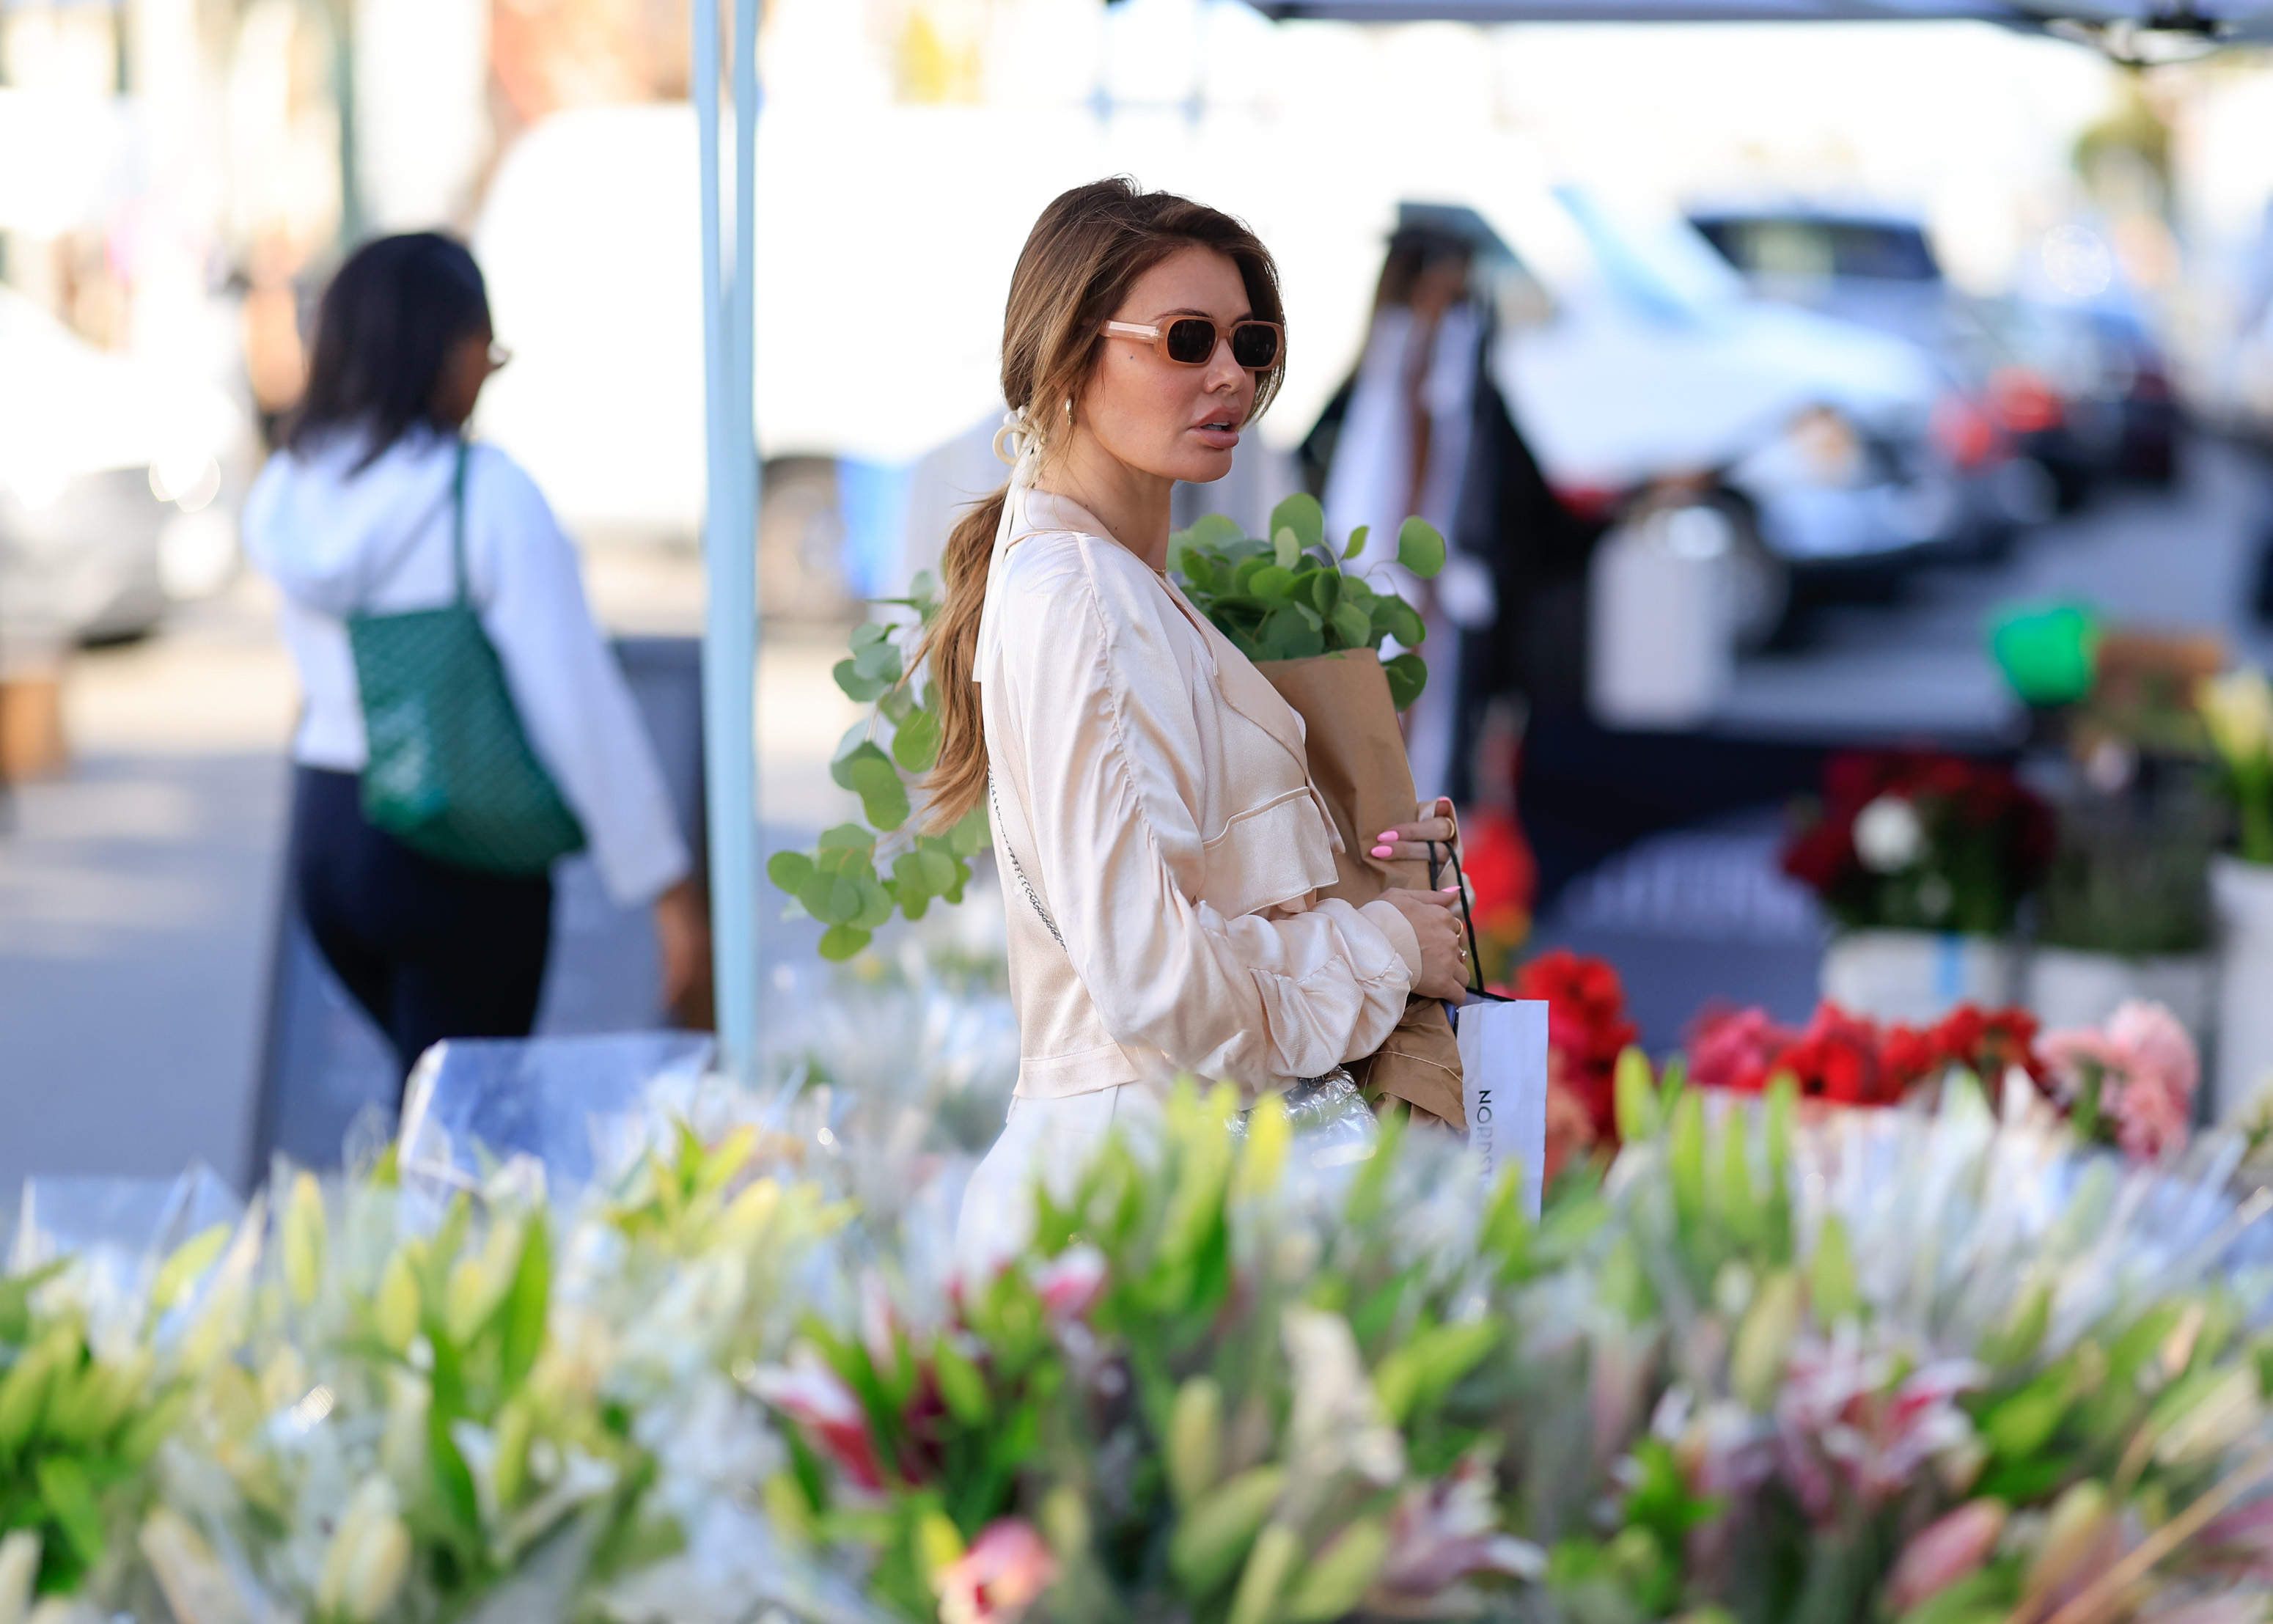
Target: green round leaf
<point>883,793</point>
<point>941,872</point>
<point>790,870</point>
<point>875,903</point>
<point>1243,577</point>
<point>1356,543</point>
<point>1326,590</point>
<point>1419,548</point>
<point>1408,675</point>
<point>847,837</point>
<point>868,632</point>
<point>1301,515</point>
<point>1352,627</point>
<point>1211,531</point>
<point>973,834</point>
<point>1400,620</point>
<point>915,746</point>
<point>1286,547</point>
<point>1272,583</point>
<point>1287,636</point>
<point>879,662</point>
<point>844,941</point>
<point>912,878</point>
<point>862,690</point>
<point>857,747</point>
<point>830,898</point>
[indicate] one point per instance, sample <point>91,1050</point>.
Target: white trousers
<point>1041,1139</point>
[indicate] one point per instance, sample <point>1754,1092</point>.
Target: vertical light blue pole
<point>729,547</point>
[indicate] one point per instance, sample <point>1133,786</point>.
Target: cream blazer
<point>1159,838</point>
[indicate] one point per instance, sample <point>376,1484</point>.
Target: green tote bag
<point>450,773</point>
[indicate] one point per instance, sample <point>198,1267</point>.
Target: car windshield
<point>1771,245</point>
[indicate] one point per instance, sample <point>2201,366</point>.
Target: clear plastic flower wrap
<point>567,1104</point>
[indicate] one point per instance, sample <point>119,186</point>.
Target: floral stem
<point>2099,1600</point>
<point>2257,820</point>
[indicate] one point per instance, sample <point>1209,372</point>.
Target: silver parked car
<point>112,485</point>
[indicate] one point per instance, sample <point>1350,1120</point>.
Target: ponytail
<point>958,782</point>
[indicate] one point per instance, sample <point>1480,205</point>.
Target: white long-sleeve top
<point>1152,788</point>
<point>341,541</point>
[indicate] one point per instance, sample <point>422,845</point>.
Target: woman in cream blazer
<point>1160,841</point>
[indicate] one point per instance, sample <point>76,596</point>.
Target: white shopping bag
<point>1503,1076</point>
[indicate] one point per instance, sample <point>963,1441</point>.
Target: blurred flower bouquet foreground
<point>710,1354</point>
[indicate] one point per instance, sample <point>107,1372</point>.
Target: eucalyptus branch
<point>1288,597</point>
<point>860,874</point>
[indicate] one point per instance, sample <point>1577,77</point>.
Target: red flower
<point>1587,1028</point>
<point>1836,1058</point>
<point>1497,863</point>
<point>1985,835</point>
<point>810,1394</point>
<point>1907,1056</point>
<point>1986,1042</point>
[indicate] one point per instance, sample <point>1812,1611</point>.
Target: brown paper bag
<point>1357,760</point>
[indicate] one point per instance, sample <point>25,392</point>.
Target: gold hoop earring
<point>1068,410</point>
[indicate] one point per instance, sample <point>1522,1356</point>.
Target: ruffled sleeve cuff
<point>1383,917</point>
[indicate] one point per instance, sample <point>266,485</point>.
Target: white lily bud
<point>304,1240</point>
<point>394,1306</point>
<point>368,1558</point>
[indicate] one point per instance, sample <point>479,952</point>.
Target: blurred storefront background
<point>1881,299</point>
<point>177,175</point>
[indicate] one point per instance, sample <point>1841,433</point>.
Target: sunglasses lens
<point>1192,341</point>
<point>1253,345</point>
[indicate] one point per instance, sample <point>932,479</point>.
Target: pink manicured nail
<point>1386,834</point>
<point>1384,851</point>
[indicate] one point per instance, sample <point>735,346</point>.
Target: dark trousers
<point>430,949</point>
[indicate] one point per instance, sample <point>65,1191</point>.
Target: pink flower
<point>1735,1048</point>
<point>808,1392</point>
<point>1446,1530</point>
<point>1071,1282</point>
<point>2146,1070</point>
<point>2161,1070</point>
<point>1005,1571</point>
<point>1944,1552</point>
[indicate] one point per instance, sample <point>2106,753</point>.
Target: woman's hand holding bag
<point>1444,949</point>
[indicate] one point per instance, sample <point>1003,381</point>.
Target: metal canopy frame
<point>730,526</point>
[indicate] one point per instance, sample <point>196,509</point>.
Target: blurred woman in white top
<point>353,515</point>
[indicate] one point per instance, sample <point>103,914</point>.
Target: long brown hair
<point>1084,254</point>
